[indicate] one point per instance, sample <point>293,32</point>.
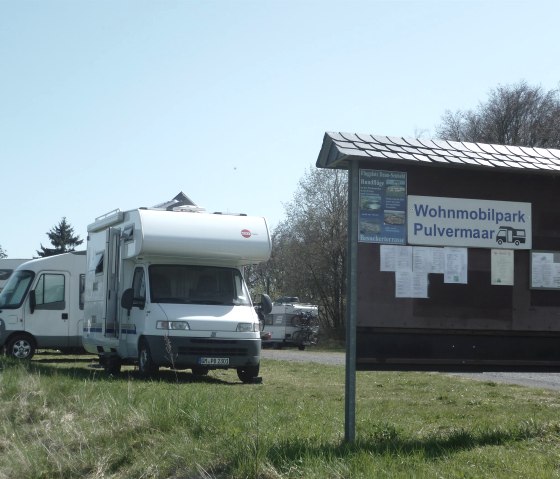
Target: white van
<point>42,305</point>
<point>165,287</point>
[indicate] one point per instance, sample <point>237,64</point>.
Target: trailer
<point>165,288</point>
<point>7,267</point>
<point>291,323</point>
<point>42,306</point>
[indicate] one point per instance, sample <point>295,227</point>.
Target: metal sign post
<point>351,305</point>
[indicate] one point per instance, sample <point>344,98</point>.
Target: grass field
<point>61,417</point>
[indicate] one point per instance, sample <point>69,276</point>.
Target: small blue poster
<point>382,214</point>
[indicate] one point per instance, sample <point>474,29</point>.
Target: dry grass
<point>61,418</point>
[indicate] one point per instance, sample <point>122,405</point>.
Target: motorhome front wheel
<point>21,347</point>
<point>146,365</point>
<point>248,374</point>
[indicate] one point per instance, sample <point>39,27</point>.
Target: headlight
<point>247,327</point>
<point>175,325</point>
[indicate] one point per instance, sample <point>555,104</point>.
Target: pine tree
<point>62,238</point>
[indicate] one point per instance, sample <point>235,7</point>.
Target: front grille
<point>213,347</point>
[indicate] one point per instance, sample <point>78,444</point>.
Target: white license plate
<point>213,361</point>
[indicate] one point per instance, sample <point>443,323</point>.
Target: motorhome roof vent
<point>189,209</point>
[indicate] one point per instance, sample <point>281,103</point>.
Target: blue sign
<point>382,215</point>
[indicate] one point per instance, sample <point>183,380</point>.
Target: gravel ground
<point>536,380</point>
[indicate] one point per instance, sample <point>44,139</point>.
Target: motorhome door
<point>111,281</point>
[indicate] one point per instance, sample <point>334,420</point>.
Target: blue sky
<point>123,103</point>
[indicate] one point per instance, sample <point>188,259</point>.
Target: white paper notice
<point>427,259</point>
<point>395,258</point>
<point>502,267</point>
<point>455,269</point>
<point>411,285</point>
<point>387,257</point>
<point>543,270</point>
<point>438,260</point>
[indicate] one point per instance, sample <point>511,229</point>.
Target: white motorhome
<point>42,305</point>
<point>7,267</point>
<point>164,287</point>
<point>291,323</point>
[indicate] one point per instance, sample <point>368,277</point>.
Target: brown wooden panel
<point>523,324</point>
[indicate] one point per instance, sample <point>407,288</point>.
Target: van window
<point>139,284</point>
<point>189,284</point>
<point>5,274</point>
<point>49,292</point>
<point>15,290</point>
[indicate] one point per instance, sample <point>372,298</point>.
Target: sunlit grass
<point>62,417</point>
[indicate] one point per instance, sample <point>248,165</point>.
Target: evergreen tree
<point>3,254</point>
<point>62,238</point>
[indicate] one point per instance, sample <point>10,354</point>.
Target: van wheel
<point>21,346</point>
<point>146,365</point>
<point>248,374</point>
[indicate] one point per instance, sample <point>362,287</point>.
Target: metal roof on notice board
<point>340,148</point>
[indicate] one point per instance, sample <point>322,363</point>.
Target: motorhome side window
<point>139,284</point>
<point>197,285</point>
<point>49,292</point>
<point>99,263</point>
<point>82,290</point>
<point>128,234</point>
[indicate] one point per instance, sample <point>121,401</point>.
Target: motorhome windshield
<point>15,290</point>
<point>197,285</point>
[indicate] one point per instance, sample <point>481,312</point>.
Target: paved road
<point>536,380</point>
<point>304,356</point>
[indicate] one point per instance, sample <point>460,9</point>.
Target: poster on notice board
<point>382,210</point>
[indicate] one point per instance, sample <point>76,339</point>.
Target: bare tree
<point>518,114</point>
<point>309,247</point>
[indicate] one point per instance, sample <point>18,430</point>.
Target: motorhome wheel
<point>146,365</point>
<point>200,371</point>
<point>248,374</point>
<point>21,346</point>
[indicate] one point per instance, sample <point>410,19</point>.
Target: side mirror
<point>266,304</point>
<point>127,299</point>
<point>32,301</point>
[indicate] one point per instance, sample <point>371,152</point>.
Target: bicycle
<point>308,332</point>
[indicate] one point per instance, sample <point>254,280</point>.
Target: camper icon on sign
<point>507,234</point>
